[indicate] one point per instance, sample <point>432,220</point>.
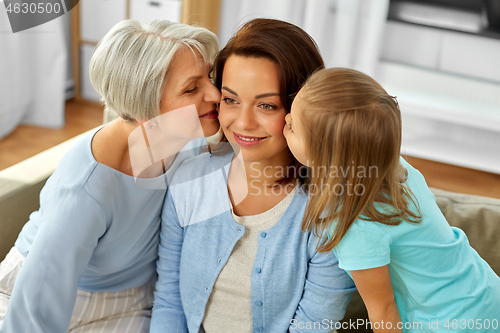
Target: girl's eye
<point>229,100</point>
<point>268,106</point>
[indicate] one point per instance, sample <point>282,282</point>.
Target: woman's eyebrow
<point>266,95</point>
<point>229,90</point>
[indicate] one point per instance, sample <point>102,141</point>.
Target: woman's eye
<point>268,106</point>
<point>191,90</point>
<point>211,78</point>
<point>229,100</point>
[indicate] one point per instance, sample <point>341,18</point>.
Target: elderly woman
<point>233,257</point>
<point>86,260</point>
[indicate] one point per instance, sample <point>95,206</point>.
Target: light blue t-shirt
<point>439,280</point>
<point>97,229</point>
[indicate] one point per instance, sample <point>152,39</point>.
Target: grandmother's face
<point>188,83</point>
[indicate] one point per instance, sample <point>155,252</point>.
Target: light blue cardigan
<point>290,279</point>
<point>96,230</point>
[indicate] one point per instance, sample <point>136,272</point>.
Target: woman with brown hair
<point>232,254</point>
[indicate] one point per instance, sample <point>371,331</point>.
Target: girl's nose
<point>287,118</point>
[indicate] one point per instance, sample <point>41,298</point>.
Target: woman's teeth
<point>248,139</point>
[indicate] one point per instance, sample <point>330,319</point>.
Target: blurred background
<point>441,58</point>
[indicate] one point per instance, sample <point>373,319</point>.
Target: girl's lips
<point>210,115</point>
<point>247,141</point>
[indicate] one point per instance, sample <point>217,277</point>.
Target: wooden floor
<point>456,179</point>
<point>27,141</point>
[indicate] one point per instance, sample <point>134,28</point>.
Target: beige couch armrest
<point>478,217</point>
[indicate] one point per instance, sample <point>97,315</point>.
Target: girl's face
<point>188,83</point>
<point>251,113</point>
<point>294,131</point>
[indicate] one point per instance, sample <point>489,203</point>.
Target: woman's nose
<point>246,118</point>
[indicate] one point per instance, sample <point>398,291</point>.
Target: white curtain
<point>33,66</point>
<point>348,32</point>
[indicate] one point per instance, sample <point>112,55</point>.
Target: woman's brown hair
<point>290,47</point>
<point>352,128</point>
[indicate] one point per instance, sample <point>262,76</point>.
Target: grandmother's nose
<point>212,95</point>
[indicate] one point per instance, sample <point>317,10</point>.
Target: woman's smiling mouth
<point>245,140</point>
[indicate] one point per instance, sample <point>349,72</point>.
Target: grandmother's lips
<point>212,114</point>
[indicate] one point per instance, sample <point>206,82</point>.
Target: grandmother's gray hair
<point>130,63</point>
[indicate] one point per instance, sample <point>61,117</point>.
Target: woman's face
<point>251,113</point>
<point>188,83</point>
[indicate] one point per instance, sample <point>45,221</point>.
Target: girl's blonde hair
<point>352,128</point>
<point>129,66</point>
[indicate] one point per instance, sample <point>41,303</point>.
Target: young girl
<point>414,272</point>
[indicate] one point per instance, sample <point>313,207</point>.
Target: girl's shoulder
<point>417,184</point>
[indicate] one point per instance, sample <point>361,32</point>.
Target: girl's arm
<point>374,286</point>
<point>167,309</point>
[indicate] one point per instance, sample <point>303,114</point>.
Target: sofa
<point>20,185</point>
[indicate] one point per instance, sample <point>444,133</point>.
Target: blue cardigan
<point>293,286</point>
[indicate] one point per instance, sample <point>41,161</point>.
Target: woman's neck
<point>253,186</point>
<point>125,146</point>
<point>266,172</point>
